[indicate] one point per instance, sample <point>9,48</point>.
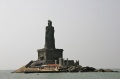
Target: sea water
<point>6,74</point>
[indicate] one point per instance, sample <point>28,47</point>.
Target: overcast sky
<point>87,30</point>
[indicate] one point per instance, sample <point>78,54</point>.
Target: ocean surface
<point>6,74</point>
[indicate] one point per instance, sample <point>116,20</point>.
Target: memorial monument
<point>48,56</point>
<point>51,59</point>
<point>49,36</point>
<point>49,53</point>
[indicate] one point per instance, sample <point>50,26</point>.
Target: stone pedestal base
<point>50,55</point>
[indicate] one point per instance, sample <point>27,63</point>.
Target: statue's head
<point>49,23</point>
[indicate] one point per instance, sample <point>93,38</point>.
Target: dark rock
<point>73,69</point>
<point>105,70</point>
<point>101,70</point>
<point>108,70</point>
<point>87,69</point>
<point>28,65</point>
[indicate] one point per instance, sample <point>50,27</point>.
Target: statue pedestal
<point>50,55</point>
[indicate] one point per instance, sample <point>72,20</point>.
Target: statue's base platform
<point>50,55</point>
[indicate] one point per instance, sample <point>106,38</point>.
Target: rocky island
<point>51,60</point>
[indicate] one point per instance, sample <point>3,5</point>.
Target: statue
<point>49,36</point>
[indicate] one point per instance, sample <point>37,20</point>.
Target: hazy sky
<point>87,30</point>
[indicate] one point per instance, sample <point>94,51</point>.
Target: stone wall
<point>50,54</point>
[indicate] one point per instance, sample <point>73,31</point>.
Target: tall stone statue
<point>49,36</point>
